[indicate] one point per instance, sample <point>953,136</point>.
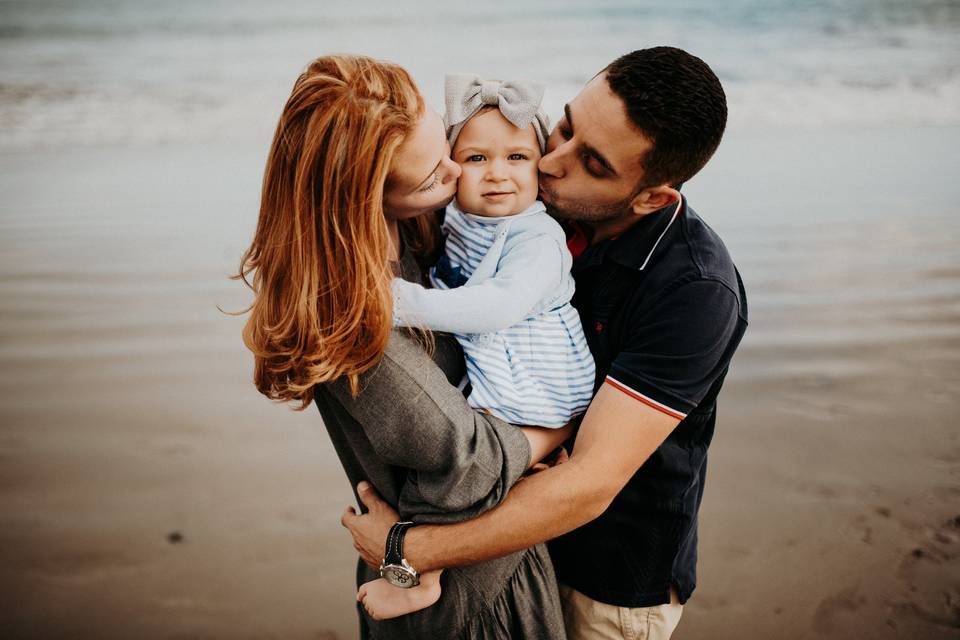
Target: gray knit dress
<point>411,434</point>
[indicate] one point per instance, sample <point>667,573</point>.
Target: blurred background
<point>148,491</point>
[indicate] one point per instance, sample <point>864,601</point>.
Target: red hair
<point>319,259</point>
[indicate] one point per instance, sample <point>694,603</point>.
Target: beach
<point>149,491</point>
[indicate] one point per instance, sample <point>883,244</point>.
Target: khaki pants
<point>587,619</point>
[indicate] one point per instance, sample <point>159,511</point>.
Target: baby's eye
<point>475,158</point>
<point>516,156</point>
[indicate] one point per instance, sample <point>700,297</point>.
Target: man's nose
<point>552,164</point>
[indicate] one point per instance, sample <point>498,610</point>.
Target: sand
<point>147,491</point>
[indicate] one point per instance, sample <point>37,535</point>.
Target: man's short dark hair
<point>676,100</point>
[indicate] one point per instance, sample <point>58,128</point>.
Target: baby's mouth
<point>497,195</point>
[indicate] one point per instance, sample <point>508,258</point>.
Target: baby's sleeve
<point>526,274</point>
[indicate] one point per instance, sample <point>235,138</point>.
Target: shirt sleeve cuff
<point>634,390</point>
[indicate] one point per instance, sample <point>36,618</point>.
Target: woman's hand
<point>369,530</point>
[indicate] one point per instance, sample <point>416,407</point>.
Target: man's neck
<point>605,229</point>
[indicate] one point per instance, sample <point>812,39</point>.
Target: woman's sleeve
<point>524,277</point>
<point>459,462</point>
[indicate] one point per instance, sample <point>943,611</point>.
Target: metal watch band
<point>394,550</point>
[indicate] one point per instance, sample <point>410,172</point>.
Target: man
<point>664,310</point>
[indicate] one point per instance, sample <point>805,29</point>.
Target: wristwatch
<point>394,568</point>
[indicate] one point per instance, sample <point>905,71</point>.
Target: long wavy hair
<point>319,262</point>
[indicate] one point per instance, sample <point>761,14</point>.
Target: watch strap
<point>394,550</point>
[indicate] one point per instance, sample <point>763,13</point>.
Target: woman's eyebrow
<point>589,150</point>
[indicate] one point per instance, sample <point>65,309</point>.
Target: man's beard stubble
<point>581,211</point>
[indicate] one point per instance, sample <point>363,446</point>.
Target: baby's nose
<point>496,171</point>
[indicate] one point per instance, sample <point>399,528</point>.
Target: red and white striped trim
<point>650,402</point>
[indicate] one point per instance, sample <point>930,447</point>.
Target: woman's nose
<point>452,170</point>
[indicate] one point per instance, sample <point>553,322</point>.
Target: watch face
<point>398,576</point>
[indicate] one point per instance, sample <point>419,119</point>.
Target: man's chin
<point>556,212</point>
<point>548,199</point>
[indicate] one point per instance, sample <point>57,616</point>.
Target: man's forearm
<point>542,506</point>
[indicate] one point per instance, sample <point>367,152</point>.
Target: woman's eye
<point>516,156</point>
<point>475,158</point>
<point>433,183</point>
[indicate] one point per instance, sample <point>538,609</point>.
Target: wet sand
<point>147,491</point>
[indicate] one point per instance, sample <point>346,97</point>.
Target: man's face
<point>592,166</point>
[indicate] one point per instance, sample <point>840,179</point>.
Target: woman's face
<point>423,178</point>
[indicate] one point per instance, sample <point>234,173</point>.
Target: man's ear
<point>654,198</point>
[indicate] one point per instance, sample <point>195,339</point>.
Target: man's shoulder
<point>698,253</point>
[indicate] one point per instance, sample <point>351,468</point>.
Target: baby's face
<point>499,166</point>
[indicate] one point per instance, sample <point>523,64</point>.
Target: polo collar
<point>635,247</point>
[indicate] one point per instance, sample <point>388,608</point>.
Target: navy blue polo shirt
<point>663,309</point>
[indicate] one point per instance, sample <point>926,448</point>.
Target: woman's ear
<point>653,198</point>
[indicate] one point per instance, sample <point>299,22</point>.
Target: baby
<point>503,286</point>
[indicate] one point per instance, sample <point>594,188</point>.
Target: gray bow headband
<point>518,101</point>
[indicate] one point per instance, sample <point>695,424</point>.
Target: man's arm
<point>617,436</point>
<point>670,359</point>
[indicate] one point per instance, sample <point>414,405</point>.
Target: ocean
<point>146,71</point>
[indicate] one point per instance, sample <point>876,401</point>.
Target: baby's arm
<point>525,275</point>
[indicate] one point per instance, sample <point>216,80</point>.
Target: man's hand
<point>370,530</point>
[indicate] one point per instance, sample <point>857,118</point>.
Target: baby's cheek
<point>534,176</point>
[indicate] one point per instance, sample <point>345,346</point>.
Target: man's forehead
<point>599,117</point>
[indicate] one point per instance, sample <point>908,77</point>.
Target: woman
<point>357,166</point>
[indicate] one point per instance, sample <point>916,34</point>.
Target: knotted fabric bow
<point>518,101</point>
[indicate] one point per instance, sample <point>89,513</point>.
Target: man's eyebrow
<point>593,153</point>
<point>566,112</point>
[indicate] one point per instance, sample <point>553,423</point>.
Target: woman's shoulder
<point>411,362</point>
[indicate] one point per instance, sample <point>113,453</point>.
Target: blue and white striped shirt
<point>503,288</point>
